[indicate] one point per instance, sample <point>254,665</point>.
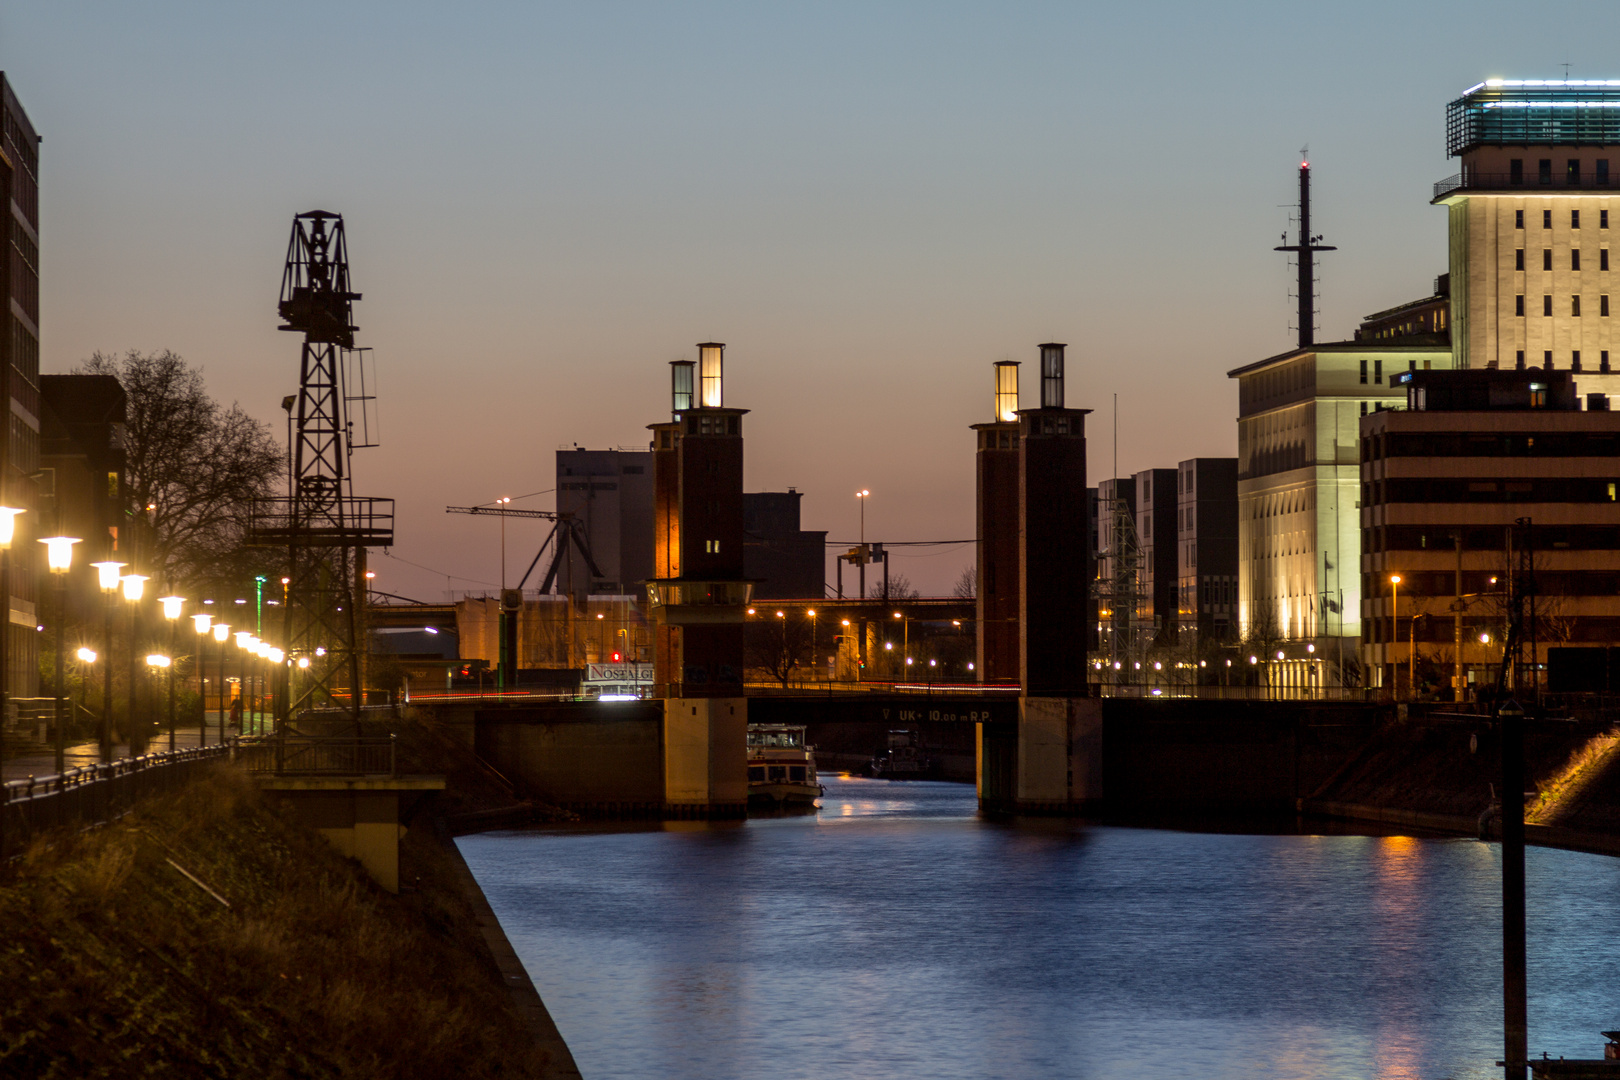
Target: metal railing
<point>321,755</point>
<point>95,793</point>
<point>1477,181</point>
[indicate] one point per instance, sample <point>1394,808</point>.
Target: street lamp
<point>815,664</point>
<point>200,624</point>
<point>8,529</point>
<point>242,638</point>
<point>222,633</point>
<point>134,587</point>
<point>862,495</point>
<point>1394,614</point>
<point>107,577</point>
<point>59,557</point>
<point>171,611</point>
<point>87,658</point>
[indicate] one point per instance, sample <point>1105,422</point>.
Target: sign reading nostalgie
<point>622,674</point>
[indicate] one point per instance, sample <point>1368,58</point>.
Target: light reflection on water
<point>895,934</point>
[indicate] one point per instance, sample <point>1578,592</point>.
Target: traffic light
<point>618,657</point>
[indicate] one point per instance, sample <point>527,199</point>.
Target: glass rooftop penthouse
<point>1534,112</point>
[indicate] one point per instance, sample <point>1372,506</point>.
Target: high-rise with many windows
<point>1530,226</point>
<point>19,361</point>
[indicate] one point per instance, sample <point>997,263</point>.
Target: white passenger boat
<point>781,768</point>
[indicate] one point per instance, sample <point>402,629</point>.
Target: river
<point>897,934</point>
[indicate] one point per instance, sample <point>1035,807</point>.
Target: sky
<point>869,203</point>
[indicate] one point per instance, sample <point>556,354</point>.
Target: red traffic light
<point>617,657</point>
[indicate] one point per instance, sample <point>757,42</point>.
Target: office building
<point>1207,543</point>
<point>611,491</point>
<point>1156,505</point>
<point>82,458</point>
<point>1483,476</point>
<point>19,351</point>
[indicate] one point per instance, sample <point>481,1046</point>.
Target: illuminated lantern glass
<point>711,355</point>
<point>201,622</point>
<point>134,585</point>
<point>59,552</point>
<point>107,574</point>
<point>221,632</point>
<point>1006,391</point>
<point>172,606</point>
<point>680,387</point>
<point>8,524</point>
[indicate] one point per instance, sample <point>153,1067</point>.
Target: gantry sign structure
<point>325,527</point>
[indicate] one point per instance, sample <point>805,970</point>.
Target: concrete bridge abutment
<point>706,757</point>
<point>1048,762</point>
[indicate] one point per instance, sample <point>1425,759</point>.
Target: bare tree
<point>193,466</point>
<point>781,648</point>
<point>967,585</point>
<point>900,588</point>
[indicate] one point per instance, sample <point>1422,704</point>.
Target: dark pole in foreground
<point>1515,1023</point>
<point>61,628</point>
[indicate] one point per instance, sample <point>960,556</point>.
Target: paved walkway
<point>33,759</point>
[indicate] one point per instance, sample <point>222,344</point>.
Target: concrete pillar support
<point>706,757</point>
<point>1049,764</point>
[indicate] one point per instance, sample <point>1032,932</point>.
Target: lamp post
<point>59,557</point>
<point>171,611</point>
<point>200,623</point>
<point>242,637</point>
<point>8,528</point>
<point>815,664</point>
<point>107,577</point>
<point>862,495</point>
<point>159,662</point>
<point>86,658</point>
<point>134,586</point>
<point>1394,618</point>
<point>222,633</point>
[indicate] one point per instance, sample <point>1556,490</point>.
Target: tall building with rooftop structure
<point>611,491</point>
<point>1207,551</point>
<point>1530,226</point>
<point>1298,474</point>
<point>19,360</point>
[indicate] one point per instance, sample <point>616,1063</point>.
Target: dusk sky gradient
<point>869,203</point>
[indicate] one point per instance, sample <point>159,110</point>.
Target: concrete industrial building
<point>19,351</point>
<point>611,491</point>
<point>783,560</point>
<point>1207,551</point>
<point>1479,468</point>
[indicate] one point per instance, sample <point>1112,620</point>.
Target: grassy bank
<point>208,934</point>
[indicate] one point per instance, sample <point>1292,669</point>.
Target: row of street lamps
<point>112,580</point>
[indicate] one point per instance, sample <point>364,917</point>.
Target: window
<point>1574,258</point>
<point>1546,305</point>
<point>1575,360</point>
<point>1546,360</point>
<point>1603,360</point>
<point>1516,171</point>
<point>712,547</point>
<point>1546,258</point>
<point>1363,406</point>
<point>1411,365</point>
<point>1575,305</point>
<point>1601,168</point>
<point>1575,215</point>
<point>1603,308</point>
<point>1518,219</point>
<point>1544,171</point>
<point>1603,259</point>
<point>1538,399</point>
<point>1546,219</point>
<point>1378,371</point>
<point>1518,259</point>
<point>1518,359</point>
<point>1518,309</point>
<point>1364,379</point>
<point>1603,215</point>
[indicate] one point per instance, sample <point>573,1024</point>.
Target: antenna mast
<point>1306,251</point>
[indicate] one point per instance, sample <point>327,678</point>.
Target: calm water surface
<point>895,934</point>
